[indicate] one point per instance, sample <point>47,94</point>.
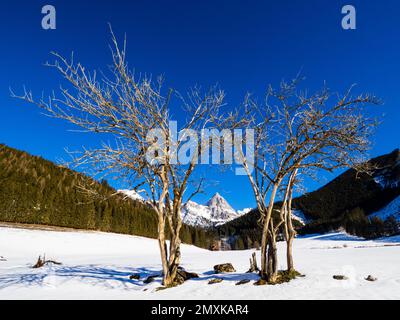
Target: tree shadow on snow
<point>107,277</point>
<point>331,237</point>
<point>392,240</point>
<point>234,277</point>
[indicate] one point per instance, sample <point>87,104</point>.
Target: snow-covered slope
<point>392,209</point>
<point>97,265</point>
<point>134,195</point>
<point>244,211</point>
<point>389,176</point>
<point>299,216</point>
<point>195,214</point>
<point>215,212</point>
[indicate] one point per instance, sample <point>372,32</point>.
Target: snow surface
<point>97,265</point>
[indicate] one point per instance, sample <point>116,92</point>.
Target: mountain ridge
<point>216,211</point>
<point>345,202</point>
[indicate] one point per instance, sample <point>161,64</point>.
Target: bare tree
<point>340,137</point>
<point>297,131</point>
<point>136,111</point>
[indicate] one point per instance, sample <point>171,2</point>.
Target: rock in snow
<point>215,280</point>
<point>371,278</point>
<point>340,277</point>
<point>225,267</point>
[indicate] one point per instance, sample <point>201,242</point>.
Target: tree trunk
<point>175,244</point>
<point>290,239</point>
<point>272,272</point>
<point>289,255</point>
<point>291,233</point>
<point>253,264</point>
<point>174,256</point>
<point>163,247</point>
<point>161,210</point>
<point>265,231</point>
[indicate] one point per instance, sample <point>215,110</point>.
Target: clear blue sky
<point>242,45</point>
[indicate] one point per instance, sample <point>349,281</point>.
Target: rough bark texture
<point>272,272</point>
<point>264,237</point>
<point>290,232</point>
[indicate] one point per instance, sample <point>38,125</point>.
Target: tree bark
<point>162,216</point>
<point>289,240</point>
<point>291,233</point>
<point>163,247</point>
<point>265,231</point>
<point>174,250</point>
<point>272,272</point>
<point>253,264</point>
<point>289,255</point>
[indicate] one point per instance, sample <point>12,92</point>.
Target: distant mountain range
<point>214,212</point>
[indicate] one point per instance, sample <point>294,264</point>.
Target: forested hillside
<point>349,199</point>
<point>36,191</point>
<point>345,202</point>
<point>350,190</point>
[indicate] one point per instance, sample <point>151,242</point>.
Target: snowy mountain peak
<point>220,208</point>
<point>215,212</point>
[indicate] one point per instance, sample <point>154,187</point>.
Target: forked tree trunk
<point>168,277</point>
<point>265,232</point>
<point>170,263</point>
<point>272,272</point>
<point>175,245</point>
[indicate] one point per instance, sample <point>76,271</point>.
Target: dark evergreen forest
<point>36,191</point>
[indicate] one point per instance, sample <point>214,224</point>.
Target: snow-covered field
<point>98,265</point>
